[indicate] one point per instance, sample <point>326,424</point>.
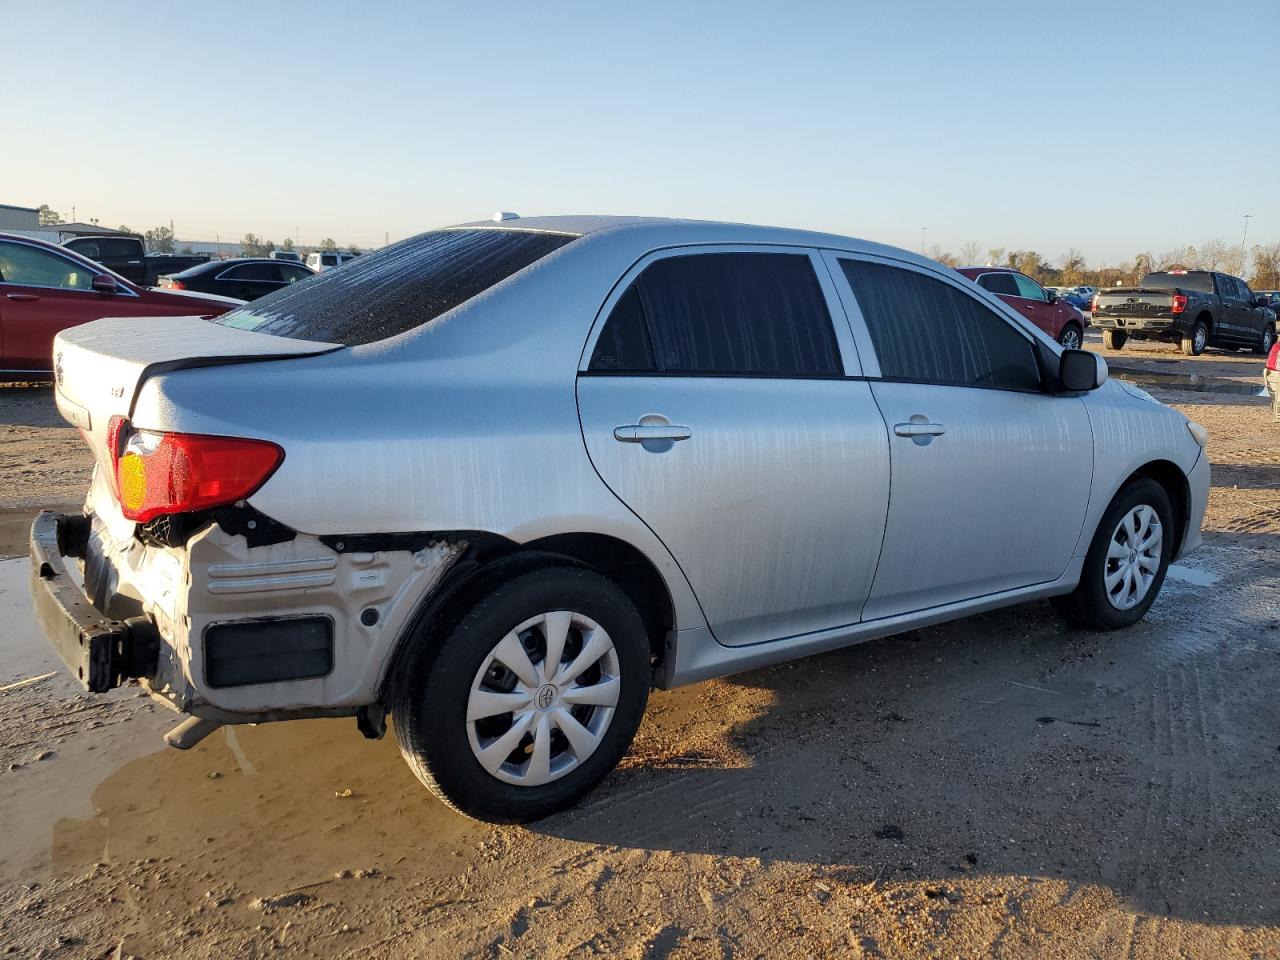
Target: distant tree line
<point>1261,267</point>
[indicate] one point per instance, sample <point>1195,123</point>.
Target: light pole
<point>923,231</point>
<point>1244,249</point>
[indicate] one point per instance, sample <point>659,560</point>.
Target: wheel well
<point>626,566</point>
<point>1174,481</point>
<point>497,559</point>
<point>1208,320</point>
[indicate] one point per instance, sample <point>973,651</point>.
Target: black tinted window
<point>395,289</point>
<point>1192,280</point>
<point>924,329</point>
<point>736,313</point>
<point>1000,283</point>
<point>253,271</point>
<point>119,247</point>
<point>624,343</point>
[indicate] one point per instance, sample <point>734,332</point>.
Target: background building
<point>19,218</point>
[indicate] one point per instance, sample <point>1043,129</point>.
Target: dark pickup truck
<point>128,257</point>
<point>1192,308</point>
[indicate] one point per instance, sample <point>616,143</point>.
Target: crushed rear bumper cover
<point>99,651</point>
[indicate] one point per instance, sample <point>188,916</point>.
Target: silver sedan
<point>501,479</point>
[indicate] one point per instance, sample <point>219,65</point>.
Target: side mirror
<point>1053,297</point>
<point>104,284</point>
<point>1080,371</point>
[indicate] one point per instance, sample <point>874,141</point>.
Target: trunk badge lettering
<point>117,391</point>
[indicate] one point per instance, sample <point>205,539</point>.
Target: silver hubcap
<point>1133,557</point>
<point>1071,339</point>
<point>543,698</point>
<point>1200,338</point>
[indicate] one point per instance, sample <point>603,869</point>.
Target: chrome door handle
<point>640,432</point>
<point>21,296</point>
<point>919,429</point>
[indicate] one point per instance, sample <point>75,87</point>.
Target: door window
<point>252,271</point>
<point>293,274</point>
<point>1029,288</point>
<point>744,314</point>
<point>929,331</point>
<point>31,266</point>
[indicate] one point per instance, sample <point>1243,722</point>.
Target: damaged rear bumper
<point>99,651</point>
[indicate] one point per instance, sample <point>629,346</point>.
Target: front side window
<point>999,283</point>
<point>743,314</point>
<point>929,331</point>
<point>397,288</point>
<point>1029,288</point>
<point>31,266</point>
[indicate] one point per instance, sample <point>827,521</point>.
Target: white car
<point>500,479</point>
<point>327,260</point>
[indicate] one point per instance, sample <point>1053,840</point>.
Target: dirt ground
<point>1001,786</point>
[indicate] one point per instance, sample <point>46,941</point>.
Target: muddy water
<point>1191,382</point>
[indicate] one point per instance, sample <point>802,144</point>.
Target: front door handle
<point>916,429</point>
<point>22,296</point>
<point>640,432</point>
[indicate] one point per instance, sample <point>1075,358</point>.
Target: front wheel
<point>1071,337</point>
<point>529,699</point>
<point>1194,341</point>
<point>1114,339</point>
<point>1268,339</point>
<point>1127,560</point>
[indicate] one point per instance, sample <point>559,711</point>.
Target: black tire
<point>429,696</point>
<point>1196,339</point>
<point>1268,338</point>
<point>1089,604</point>
<point>1070,332</point>
<point>1114,339</point>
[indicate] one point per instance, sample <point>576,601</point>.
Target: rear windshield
<point>1199,281</point>
<point>394,289</point>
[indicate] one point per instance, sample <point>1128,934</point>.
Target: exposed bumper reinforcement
<point>100,652</point>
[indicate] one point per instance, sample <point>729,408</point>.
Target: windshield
<point>395,289</point>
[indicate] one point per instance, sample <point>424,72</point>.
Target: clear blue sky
<point>1111,127</point>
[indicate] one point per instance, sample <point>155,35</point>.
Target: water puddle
<point>1191,382</point>
<point>1193,575</point>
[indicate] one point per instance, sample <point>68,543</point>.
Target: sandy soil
<point>1000,786</point>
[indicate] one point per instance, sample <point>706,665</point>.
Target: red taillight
<point>172,284</point>
<point>1273,358</point>
<point>159,473</point>
<point>1179,303</point>
<point>1093,306</point>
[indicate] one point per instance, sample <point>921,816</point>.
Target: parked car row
<point>724,447</point>
<point>45,288</point>
<point>127,257</point>
<point>1192,308</point>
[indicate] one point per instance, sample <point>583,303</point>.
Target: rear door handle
<point>918,429</point>
<point>640,432</point>
<point>22,296</point>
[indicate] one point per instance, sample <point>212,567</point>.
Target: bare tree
<point>1266,267</point>
<point>971,253</point>
<point>995,256</point>
<point>943,257</point>
<point>1073,267</point>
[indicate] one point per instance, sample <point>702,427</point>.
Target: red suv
<point>1042,307</point>
<point>46,288</point>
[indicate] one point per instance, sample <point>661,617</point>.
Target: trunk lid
<point>99,366</point>
<point>1134,302</point>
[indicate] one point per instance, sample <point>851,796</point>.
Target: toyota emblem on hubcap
<point>546,697</point>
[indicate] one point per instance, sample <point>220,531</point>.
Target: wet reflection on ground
<point>1186,381</point>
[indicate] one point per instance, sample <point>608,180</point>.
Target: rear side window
<point>119,247</point>
<point>746,314</point>
<point>926,330</point>
<point>1002,283</point>
<point>1029,288</point>
<point>395,289</point>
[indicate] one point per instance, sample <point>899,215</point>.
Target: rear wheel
<point>1268,338</point>
<point>530,697</point>
<point>1071,337</point>
<point>1194,341</point>
<point>1114,339</point>
<point>1127,560</point>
